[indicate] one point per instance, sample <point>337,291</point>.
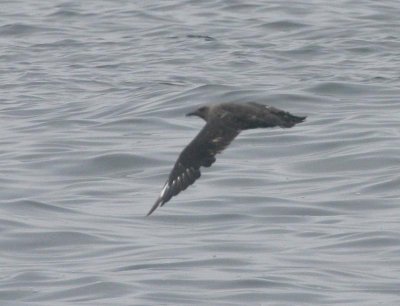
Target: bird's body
<point>224,122</point>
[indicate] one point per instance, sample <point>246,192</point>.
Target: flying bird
<point>223,123</point>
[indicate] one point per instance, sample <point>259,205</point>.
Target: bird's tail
<point>288,120</point>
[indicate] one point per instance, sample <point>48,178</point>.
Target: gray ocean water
<point>92,105</point>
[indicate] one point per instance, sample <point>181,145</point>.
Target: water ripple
<point>92,115</point>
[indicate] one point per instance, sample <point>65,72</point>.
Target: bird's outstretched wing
<point>201,151</point>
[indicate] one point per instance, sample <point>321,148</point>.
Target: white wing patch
<point>217,139</point>
<point>224,115</point>
<point>164,190</point>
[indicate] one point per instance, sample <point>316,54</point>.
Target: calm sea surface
<point>92,104</point>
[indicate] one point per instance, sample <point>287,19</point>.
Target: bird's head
<point>201,112</point>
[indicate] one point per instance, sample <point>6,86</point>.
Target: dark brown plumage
<point>224,122</point>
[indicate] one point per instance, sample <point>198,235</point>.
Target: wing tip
<point>154,207</point>
<point>161,199</point>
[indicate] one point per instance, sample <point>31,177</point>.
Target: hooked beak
<point>191,114</point>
